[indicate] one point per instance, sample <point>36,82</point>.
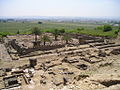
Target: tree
<point>67,38</point>
<point>107,28</point>
<point>56,33</point>
<point>36,31</point>
<point>45,39</point>
<point>62,31</point>
<point>18,32</point>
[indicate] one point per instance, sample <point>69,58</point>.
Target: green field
<point>25,27</point>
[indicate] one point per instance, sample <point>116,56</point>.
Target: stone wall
<point>17,47</point>
<point>86,37</point>
<point>23,50</point>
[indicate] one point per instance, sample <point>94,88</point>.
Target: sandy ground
<point>95,76</point>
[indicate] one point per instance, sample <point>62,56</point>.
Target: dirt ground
<point>70,68</point>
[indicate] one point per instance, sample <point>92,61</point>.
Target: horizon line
<point>69,16</point>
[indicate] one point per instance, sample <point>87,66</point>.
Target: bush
<point>79,29</point>
<point>99,28</point>
<point>4,34</point>
<point>107,28</point>
<point>62,31</point>
<point>39,22</point>
<point>116,32</point>
<point>119,28</point>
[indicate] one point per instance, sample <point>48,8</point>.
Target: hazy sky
<point>86,8</point>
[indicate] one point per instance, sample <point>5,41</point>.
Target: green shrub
<point>62,31</point>
<point>107,28</point>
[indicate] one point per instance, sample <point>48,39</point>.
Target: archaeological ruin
<point>85,63</point>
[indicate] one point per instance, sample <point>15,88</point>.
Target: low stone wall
<point>85,37</point>
<point>18,48</point>
<point>22,50</point>
<point>43,48</point>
